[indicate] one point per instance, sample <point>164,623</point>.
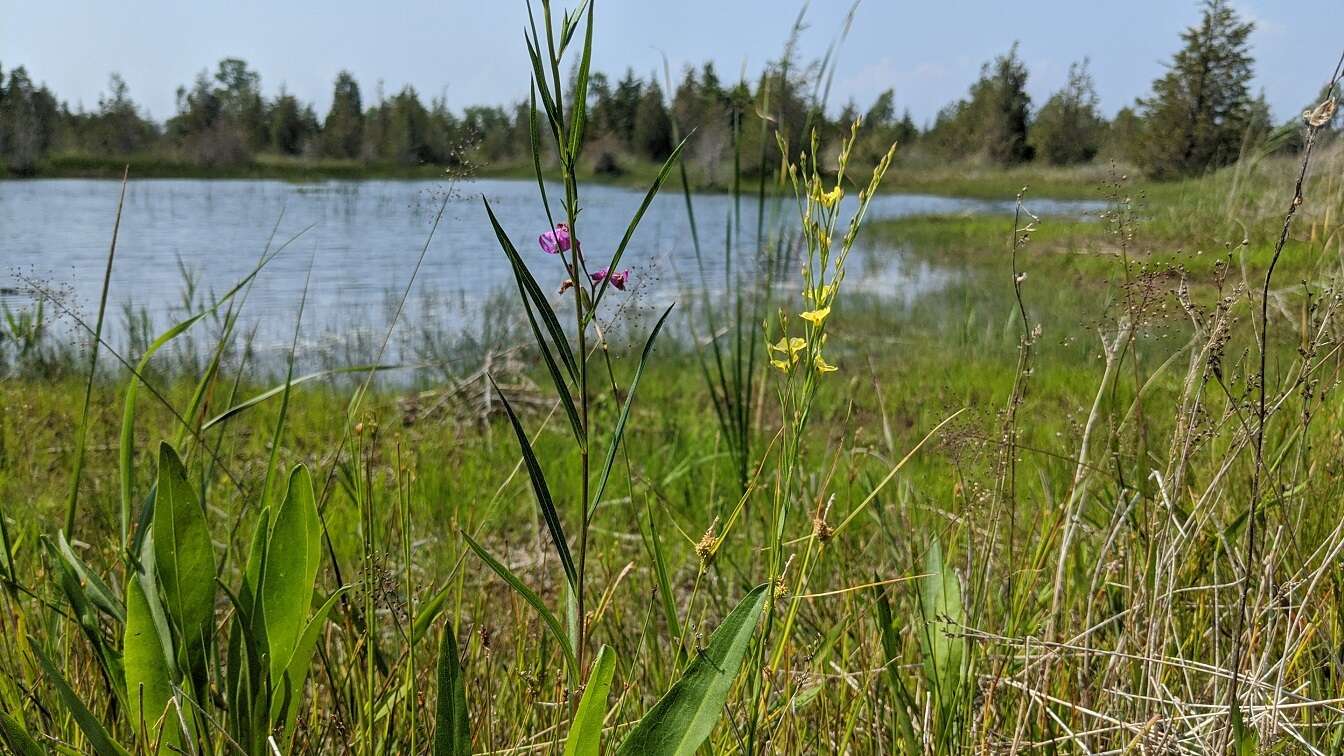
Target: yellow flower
<point>829,199</point>
<point>822,365</point>
<point>781,364</point>
<point>816,316</point>
<point>789,346</point>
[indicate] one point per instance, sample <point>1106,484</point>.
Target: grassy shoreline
<point>1063,183</point>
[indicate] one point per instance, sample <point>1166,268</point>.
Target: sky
<point>473,53</point>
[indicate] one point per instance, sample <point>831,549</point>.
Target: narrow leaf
<point>452,733</point>
<point>99,739</point>
<point>528,595</point>
<point>542,492</point>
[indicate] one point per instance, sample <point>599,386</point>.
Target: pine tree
<point>343,130</point>
<point>992,123</point>
<point>653,127</point>
<point>1200,110</point>
<point>1068,129</point>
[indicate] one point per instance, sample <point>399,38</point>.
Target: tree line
<point>1199,115</point>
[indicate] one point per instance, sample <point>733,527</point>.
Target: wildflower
<point>815,317</point>
<point>829,199</point>
<point>556,240</point>
<point>822,365</point>
<point>789,346</point>
<point>782,365</point>
<point>617,279</point>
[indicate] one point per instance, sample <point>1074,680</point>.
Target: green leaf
<point>580,104</point>
<point>902,703</point>
<point>552,624</point>
<point>452,733</point>
<point>17,739</point>
<point>585,734</point>
<point>684,717</point>
<point>149,681</point>
<point>429,611</point>
<point>296,674</point>
<point>99,739</point>
<point>944,615</point>
<point>542,492</point>
<point>183,554</point>
<point>292,561</point>
<point>625,410</point>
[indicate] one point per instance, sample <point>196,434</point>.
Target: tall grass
<point>1090,511</point>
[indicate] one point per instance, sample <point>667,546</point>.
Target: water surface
<point>361,240</point>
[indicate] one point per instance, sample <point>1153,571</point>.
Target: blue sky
<point>472,52</point>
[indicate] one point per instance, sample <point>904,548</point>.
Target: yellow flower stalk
<point>822,365</point>
<point>816,317</point>
<point>831,198</point>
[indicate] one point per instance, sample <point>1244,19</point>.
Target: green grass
<point>1084,508</point>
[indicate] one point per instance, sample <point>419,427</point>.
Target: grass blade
<point>552,624</point>
<point>99,738</point>
<point>16,738</point>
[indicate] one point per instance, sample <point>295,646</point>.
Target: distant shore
<point>1076,182</point>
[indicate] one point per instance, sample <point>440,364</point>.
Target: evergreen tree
<point>28,121</point>
<point>290,125</point>
<point>1200,110</point>
<point>653,126</point>
<point>119,128</point>
<point>1068,129</point>
<point>343,129</point>
<point>993,122</point>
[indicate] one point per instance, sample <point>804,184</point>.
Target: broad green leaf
<point>683,718</point>
<point>542,492</point>
<point>99,739</point>
<point>452,732</point>
<point>940,602</point>
<point>585,734</point>
<point>98,591</point>
<point>296,674</point>
<point>183,554</point>
<point>530,596</point>
<point>17,739</point>
<point>292,561</point>
<point>149,683</point>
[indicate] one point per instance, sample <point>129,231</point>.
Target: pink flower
<point>556,240</point>
<point>617,279</point>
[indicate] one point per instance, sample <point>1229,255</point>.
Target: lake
<point>362,238</point>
